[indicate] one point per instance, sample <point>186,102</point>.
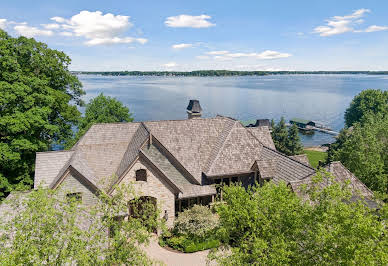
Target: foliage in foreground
<point>364,150</point>
<point>38,99</point>
<point>54,232</point>
<point>286,140</point>
<point>271,225</point>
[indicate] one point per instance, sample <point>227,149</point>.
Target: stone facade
<point>155,186</point>
<point>72,183</point>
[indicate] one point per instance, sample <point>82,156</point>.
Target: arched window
<point>141,175</point>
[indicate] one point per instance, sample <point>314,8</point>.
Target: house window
<point>74,197</point>
<point>141,175</point>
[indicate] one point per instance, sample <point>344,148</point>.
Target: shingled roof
<point>197,147</point>
<point>341,174</point>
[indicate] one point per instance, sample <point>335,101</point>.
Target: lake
<point>314,97</point>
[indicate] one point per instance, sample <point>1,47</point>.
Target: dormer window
<point>141,175</point>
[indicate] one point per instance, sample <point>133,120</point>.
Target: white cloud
<point>268,54</point>
<point>52,26</point>
<point>114,40</point>
<point>3,23</point>
<point>98,28</point>
<point>202,57</point>
<point>374,28</point>
<point>182,45</point>
<point>66,33</point>
<point>342,24</point>
<point>265,55</point>
<point>217,52</point>
<point>58,19</point>
<point>355,15</point>
<point>30,32</point>
<point>170,64</point>
<point>187,21</point>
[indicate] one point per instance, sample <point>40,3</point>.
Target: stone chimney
<point>194,109</point>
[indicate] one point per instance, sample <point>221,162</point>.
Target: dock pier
<point>308,125</point>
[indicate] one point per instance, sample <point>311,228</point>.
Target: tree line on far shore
<point>222,73</point>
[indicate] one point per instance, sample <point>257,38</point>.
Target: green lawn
<point>315,156</point>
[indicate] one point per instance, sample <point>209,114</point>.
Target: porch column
<point>180,205</point>
<point>212,198</point>
<point>198,200</point>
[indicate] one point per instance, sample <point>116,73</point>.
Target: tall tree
<point>286,140</point>
<point>101,109</point>
<point>368,101</point>
<point>364,151</point>
<point>280,136</point>
<point>38,106</point>
<point>294,144</point>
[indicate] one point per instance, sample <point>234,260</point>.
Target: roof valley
<point>223,136</point>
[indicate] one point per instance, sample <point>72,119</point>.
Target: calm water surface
<point>315,97</point>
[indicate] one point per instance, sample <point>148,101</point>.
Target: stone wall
<point>155,186</point>
<point>74,184</point>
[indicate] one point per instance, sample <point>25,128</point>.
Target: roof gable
<point>237,154</point>
<point>76,163</point>
<point>189,141</point>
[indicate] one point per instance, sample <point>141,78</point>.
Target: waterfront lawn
<point>315,156</point>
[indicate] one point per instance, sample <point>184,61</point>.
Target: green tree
<point>368,101</point>
<point>363,151</point>
<point>38,106</point>
<point>49,230</point>
<point>294,144</point>
<point>101,109</point>
<point>286,140</point>
<point>280,136</point>
<point>271,225</point>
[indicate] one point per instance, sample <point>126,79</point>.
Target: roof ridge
<point>123,165</point>
<point>249,130</point>
<point>222,137</point>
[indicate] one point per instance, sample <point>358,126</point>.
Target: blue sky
<point>192,35</point>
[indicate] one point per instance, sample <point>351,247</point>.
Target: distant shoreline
<point>222,73</point>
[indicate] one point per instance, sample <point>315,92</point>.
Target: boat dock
<point>308,125</point>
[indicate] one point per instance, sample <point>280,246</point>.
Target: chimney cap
<point>194,106</point>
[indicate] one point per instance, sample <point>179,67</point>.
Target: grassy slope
<point>315,156</point>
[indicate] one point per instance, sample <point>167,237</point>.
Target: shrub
<point>190,245</point>
<point>196,222</point>
<point>198,246</point>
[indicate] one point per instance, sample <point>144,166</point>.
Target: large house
<point>174,162</point>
